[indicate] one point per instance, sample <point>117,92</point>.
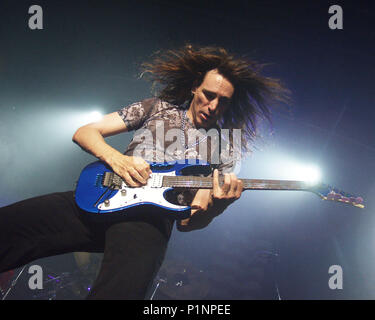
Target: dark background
<point>87,58</point>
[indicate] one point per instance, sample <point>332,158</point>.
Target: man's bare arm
<point>134,170</point>
<point>91,136</point>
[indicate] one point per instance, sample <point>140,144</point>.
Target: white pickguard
<point>152,192</point>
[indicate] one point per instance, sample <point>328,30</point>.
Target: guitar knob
<point>123,192</point>
<point>106,203</point>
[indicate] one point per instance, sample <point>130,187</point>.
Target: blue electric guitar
<point>101,191</point>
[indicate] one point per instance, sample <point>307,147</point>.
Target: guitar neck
<point>325,192</point>
<point>248,184</point>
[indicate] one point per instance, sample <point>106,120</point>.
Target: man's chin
<point>204,125</point>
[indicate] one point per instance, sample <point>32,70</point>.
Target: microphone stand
<point>274,257</point>
<point>13,283</point>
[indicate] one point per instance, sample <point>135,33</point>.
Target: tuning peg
<point>359,200</point>
<point>344,199</point>
<point>333,196</point>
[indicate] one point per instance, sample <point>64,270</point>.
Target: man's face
<point>210,100</point>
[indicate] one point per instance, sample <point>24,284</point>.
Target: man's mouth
<point>205,117</point>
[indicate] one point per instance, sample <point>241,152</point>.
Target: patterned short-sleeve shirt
<point>163,132</point>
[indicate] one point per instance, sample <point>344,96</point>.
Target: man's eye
<point>209,96</point>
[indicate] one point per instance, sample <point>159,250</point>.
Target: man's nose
<point>213,105</point>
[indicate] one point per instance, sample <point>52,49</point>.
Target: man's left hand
<point>230,191</point>
<point>207,204</point>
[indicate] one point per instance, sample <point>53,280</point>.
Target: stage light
<point>278,165</point>
<point>94,116</point>
<point>89,117</point>
<point>309,173</point>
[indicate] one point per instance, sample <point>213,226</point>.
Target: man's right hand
<point>134,170</point>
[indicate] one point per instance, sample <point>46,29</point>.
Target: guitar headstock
<point>327,192</point>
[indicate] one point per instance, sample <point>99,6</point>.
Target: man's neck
<point>189,114</point>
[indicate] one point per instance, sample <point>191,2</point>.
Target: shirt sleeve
<point>135,115</point>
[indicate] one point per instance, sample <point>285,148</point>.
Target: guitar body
<point>97,193</point>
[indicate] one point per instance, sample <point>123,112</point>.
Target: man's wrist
<point>109,154</point>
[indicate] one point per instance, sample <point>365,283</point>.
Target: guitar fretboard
<point>249,184</point>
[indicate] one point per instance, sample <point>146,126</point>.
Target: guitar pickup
<point>112,180</point>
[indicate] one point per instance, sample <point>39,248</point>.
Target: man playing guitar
<point>203,88</point>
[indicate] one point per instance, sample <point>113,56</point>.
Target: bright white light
<point>309,173</point>
<point>86,118</point>
<point>278,165</point>
<point>94,116</point>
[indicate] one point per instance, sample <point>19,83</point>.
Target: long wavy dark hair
<point>178,71</point>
